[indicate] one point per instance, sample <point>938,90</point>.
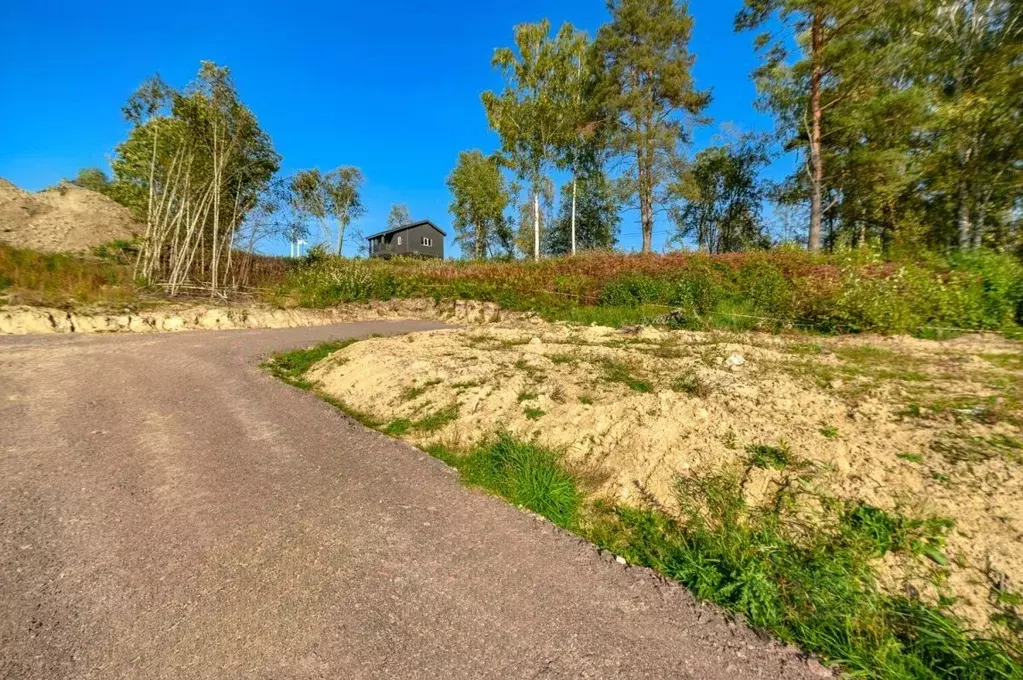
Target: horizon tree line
<point>904,113</point>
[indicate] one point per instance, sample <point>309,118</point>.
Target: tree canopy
<point>480,196</point>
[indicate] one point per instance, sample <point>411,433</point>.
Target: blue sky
<point>391,86</point>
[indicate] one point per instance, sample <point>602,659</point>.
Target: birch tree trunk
<point>816,159</point>
<point>536,225</point>
<point>573,214</point>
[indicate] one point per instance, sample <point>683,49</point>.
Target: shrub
<point>849,291</point>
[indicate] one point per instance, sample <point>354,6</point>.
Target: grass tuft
<point>620,372</point>
<point>691,385</point>
<point>292,366</point>
<point>525,474</point>
<point>533,413</point>
<point>765,456</point>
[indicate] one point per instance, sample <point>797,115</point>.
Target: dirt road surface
<point>167,510</point>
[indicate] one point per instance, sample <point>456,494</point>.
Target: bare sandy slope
<point>923,428</point>
<point>65,218</point>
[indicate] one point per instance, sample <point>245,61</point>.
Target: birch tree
<point>972,67</point>
<point>332,196</point>
<point>399,216</point>
<point>535,113</point>
<point>194,165</point>
<point>479,197</point>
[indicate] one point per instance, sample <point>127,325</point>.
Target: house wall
<point>412,242</point>
<point>413,239</point>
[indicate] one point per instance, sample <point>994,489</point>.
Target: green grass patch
<point>533,413</point>
<point>881,532</point>
<point>527,395</point>
<point>415,391</point>
<point>765,456</point>
<point>292,366</point>
<point>563,359</point>
<point>525,474</point>
<point>1013,362</point>
<point>616,371</point>
<point>816,590</point>
<point>829,432</point>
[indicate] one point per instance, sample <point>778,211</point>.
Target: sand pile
<point>924,429</point>
<point>66,218</point>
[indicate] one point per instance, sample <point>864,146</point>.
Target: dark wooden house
<point>417,239</point>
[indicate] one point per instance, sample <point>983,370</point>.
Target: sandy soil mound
<point>925,429</point>
<point>65,218</point>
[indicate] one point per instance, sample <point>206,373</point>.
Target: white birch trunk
<point>536,226</point>
<point>573,214</point>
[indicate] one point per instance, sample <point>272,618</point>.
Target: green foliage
<point>848,292</point>
<point>917,116</point>
<point>816,589</point>
<point>399,216</point>
<point>597,216</point>
<point>525,474</point>
<point>60,279</point>
<point>197,152</point>
<point>292,366</point>
<point>722,198</point>
<point>332,195</point>
<point>479,197</point>
<point>649,93</point>
<point>765,456</point>
<point>878,532</point>
<point>538,113</point>
<point>533,413</point>
<point>93,179</point>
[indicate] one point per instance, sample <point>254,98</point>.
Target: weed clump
<point>620,372</point>
<point>525,474</point>
<point>764,456</point>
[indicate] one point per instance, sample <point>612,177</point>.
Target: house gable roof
<point>403,227</point>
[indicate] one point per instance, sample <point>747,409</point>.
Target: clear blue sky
<point>391,86</point>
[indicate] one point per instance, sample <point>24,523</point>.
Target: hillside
<point>66,218</point>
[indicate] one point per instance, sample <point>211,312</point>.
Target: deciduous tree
<point>479,198</point>
<point>398,216</point>
<point>193,166</point>
<point>332,195</point>
<point>722,195</point>
<point>588,218</point>
<point>535,113</point>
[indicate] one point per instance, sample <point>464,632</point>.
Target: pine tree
<point>650,93</point>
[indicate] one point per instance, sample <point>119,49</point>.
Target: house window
<point>399,240</point>
<point>427,241</point>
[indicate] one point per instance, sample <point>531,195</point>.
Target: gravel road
<point>168,510</point>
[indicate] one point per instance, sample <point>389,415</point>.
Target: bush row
<point>847,292</point>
